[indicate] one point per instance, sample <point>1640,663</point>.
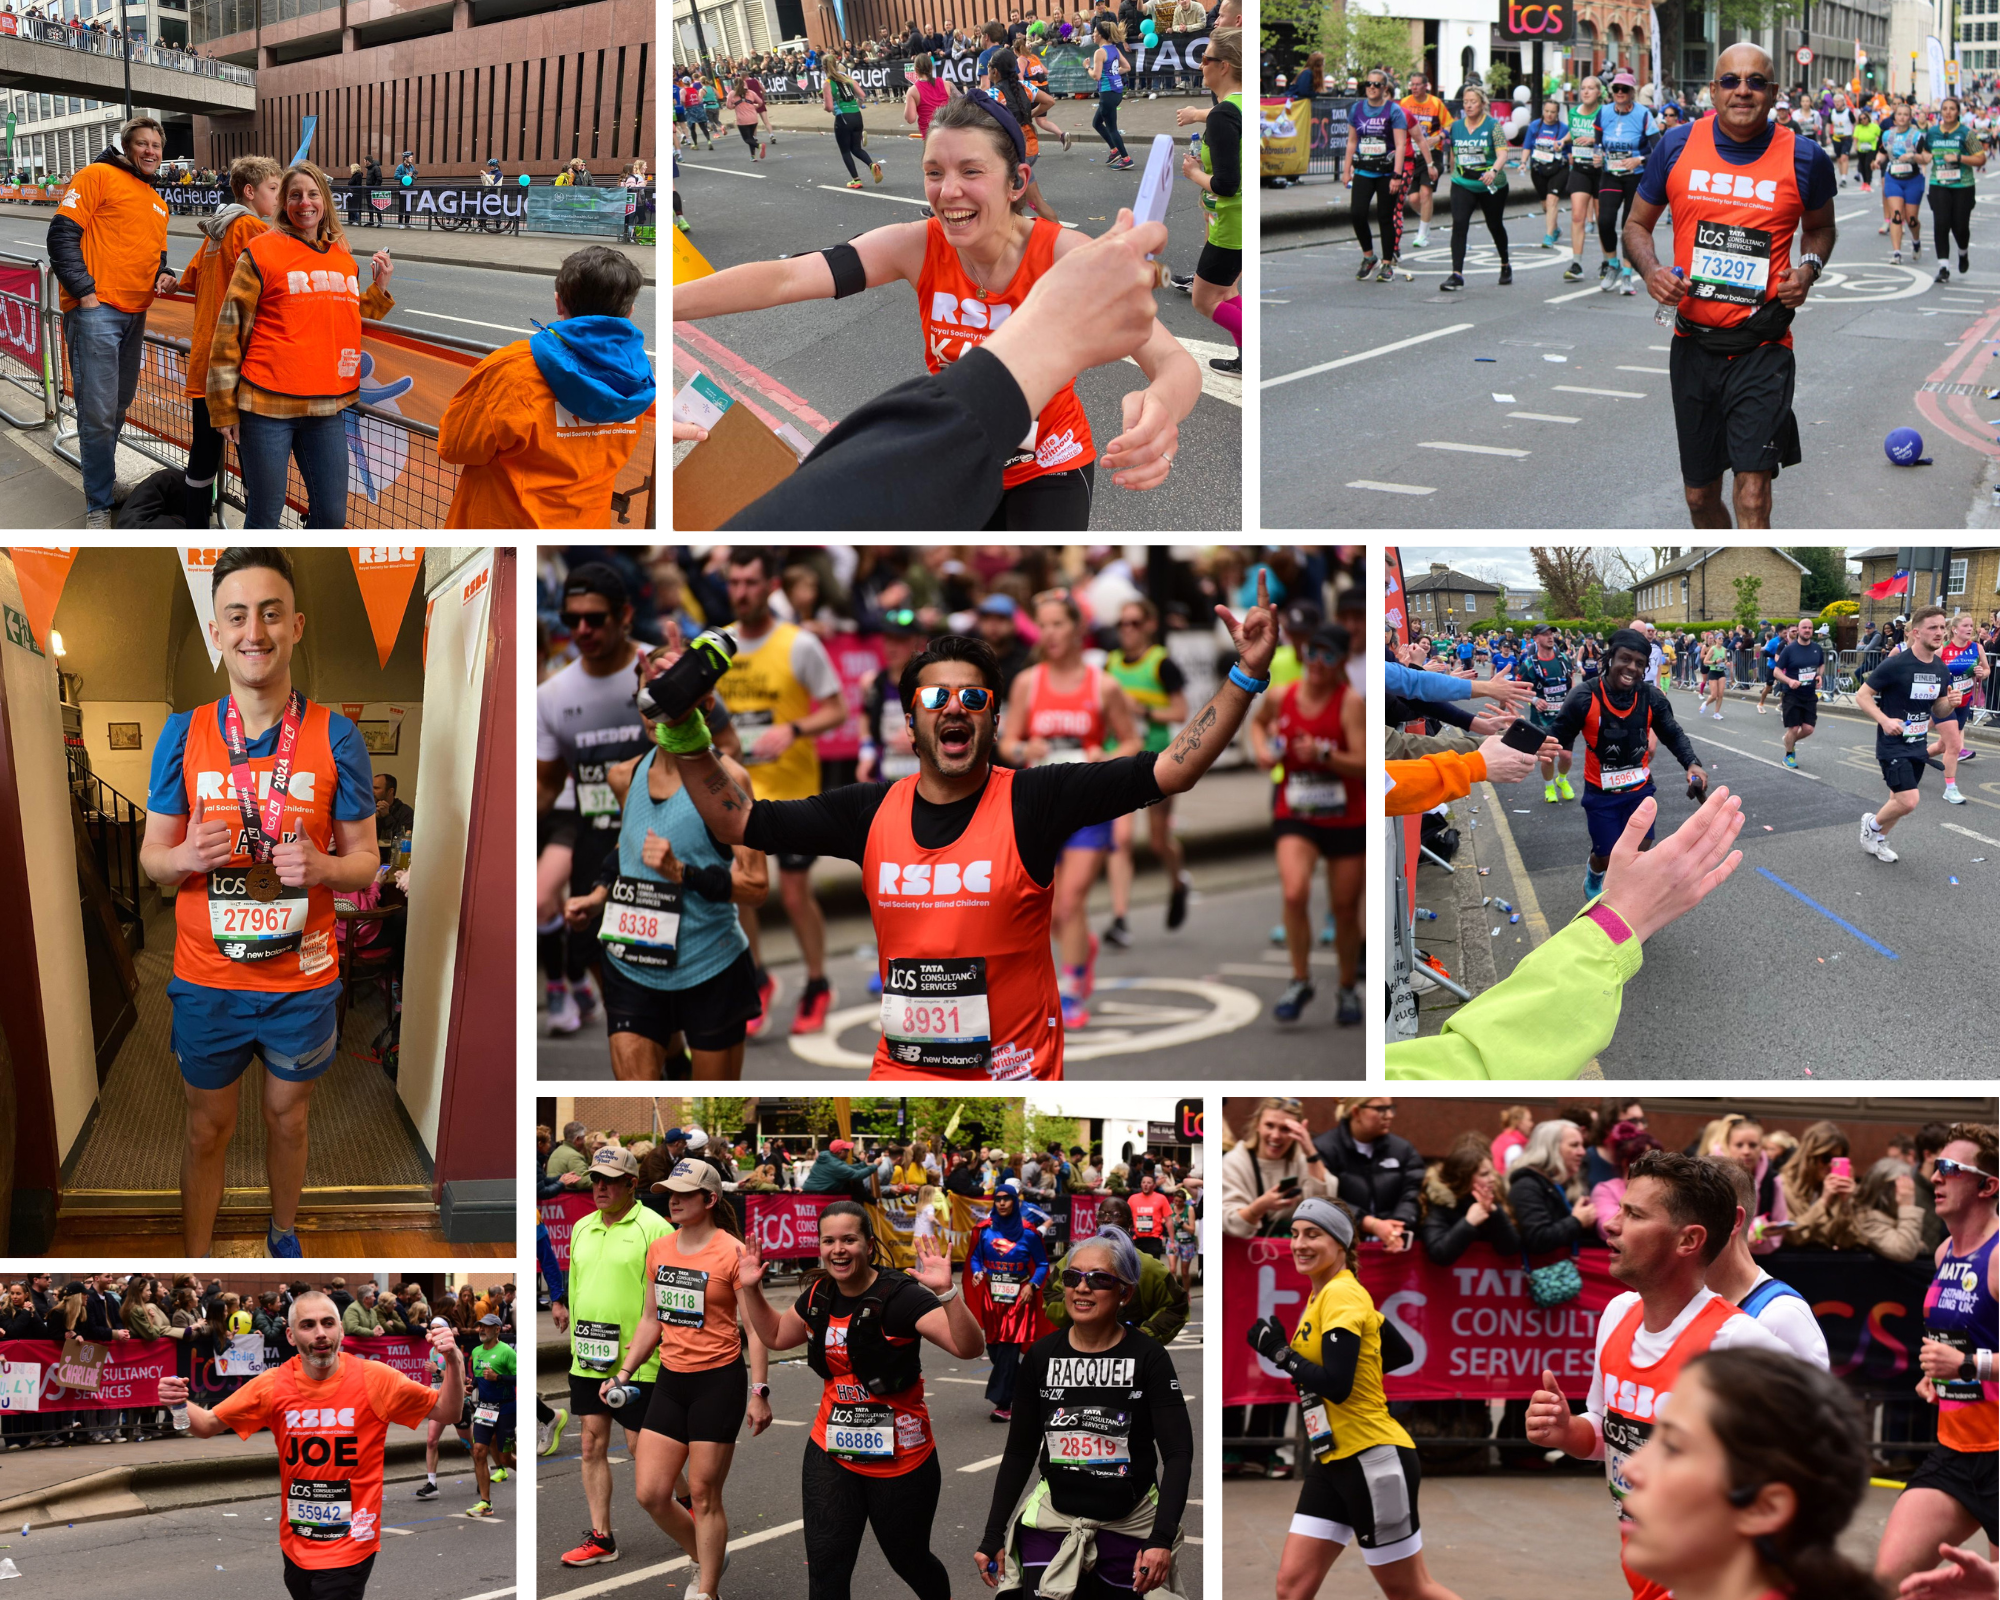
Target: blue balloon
<point>406,180</point>
<point>1904,446</point>
<point>524,180</point>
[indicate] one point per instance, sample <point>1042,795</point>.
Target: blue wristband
<point>1246,683</point>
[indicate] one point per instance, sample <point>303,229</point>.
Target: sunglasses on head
<point>937,696</point>
<point>577,620</point>
<point>1736,80</point>
<point>1951,1168</point>
<point>1103,1282</point>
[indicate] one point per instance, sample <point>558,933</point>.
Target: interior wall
<point>127,771</point>
<point>49,841</point>
<point>443,805</point>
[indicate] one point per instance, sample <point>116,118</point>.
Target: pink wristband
<point>1609,920</point>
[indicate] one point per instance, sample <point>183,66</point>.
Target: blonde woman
<point>841,95</point>
<point>1586,166</point>
<point>1269,1170</point>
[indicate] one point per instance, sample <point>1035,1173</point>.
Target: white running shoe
<point>1423,238</point>
<point>1952,796</point>
<point>564,1016</point>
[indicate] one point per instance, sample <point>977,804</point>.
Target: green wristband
<point>688,737</point>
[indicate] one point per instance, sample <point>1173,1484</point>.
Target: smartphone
<point>1288,1186</point>
<point>1841,1165</point>
<point>1523,735</point>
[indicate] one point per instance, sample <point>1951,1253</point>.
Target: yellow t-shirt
<point>762,691</point>
<point>912,1174</point>
<point>1364,1421</point>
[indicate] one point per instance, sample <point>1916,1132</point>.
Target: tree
<point>1825,580</point>
<point>1567,572</point>
<point>1353,40</point>
<point>1747,590</point>
<point>1593,603</point>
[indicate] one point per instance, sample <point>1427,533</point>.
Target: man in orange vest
<point>260,809</point>
<point>108,246</point>
<point>543,426</point>
<point>1676,1216</point>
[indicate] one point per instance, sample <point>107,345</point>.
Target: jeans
<point>318,444</point>
<point>105,347</point>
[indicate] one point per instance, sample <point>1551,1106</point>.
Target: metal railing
<point>114,825</point>
<point>24,352</point>
<point>44,30</point>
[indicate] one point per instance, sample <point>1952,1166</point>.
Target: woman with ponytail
<point>1755,1465</point>
<point>1027,103</point>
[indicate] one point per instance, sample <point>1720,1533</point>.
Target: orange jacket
<point>528,462</point>
<point>208,275</point>
<point>1431,780</point>
<point>124,225</point>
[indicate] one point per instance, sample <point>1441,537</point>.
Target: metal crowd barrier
<point>23,322</point>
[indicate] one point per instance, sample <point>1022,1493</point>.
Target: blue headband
<point>990,104</point>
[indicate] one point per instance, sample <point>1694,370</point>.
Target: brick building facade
<point>1444,598</point>
<point>1700,586</point>
<point>1971,583</point>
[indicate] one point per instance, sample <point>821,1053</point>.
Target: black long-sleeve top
<point>1061,1390</point>
<point>1621,735</point>
<point>1542,1214</point>
<point>1222,137</point>
<point>1446,1233</point>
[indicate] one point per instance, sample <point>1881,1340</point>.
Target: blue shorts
<point>217,1032</point>
<point>1910,189</point>
<point>489,1433</point>
<point>1095,837</point>
<point>1607,815</point>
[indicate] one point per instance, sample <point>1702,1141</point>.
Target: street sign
<point>1803,55</point>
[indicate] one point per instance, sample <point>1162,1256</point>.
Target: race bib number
<point>1624,163</point>
<point>486,1416</point>
<point>1962,1391</point>
<point>748,725</point>
<point>1731,264</point>
<point>1916,729</point>
<point>596,800</point>
<point>1547,152</point>
<point>1319,1427</point>
<point>1004,1290</point>
<point>595,1344</point>
<point>1144,1224</point>
<point>1620,777</point>
<point>322,1509</point>
<point>934,1014</point>
<point>1371,148</point>
<point>861,1433</point>
<point>248,929</point>
<point>642,922</point>
<point>1064,753</point>
<point>1095,1440</point>
<point>1624,1438</point>
<point>1807,676</point>
<point>680,1296</point>
<point>1901,169</point>
<point>1312,794</point>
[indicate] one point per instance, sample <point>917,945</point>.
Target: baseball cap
<point>598,578</point>
<point>998,605</point>
<point>674,1136</point>
<point>696,1139</point>
<point>613,1162</point>
<point>489,1321</point>
<point>1541,628</point>
<point>1624,80</point>
<point>1301,616</point>
<point>689,1177</point>
<point>842,1147</point>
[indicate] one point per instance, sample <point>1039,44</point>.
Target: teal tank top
<point>708,937</point>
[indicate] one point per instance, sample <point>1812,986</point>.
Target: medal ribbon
<point>262,832</point>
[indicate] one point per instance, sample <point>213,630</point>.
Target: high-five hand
<point>1256,636</point>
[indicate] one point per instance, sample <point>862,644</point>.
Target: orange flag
<point>387,574</point>
<point>41,570</point>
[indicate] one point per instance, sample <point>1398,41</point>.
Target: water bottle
<point>684,685</point>
<point>621,1395</point>
<point>1667,315</point>
<point>179,1414</point>
<point>1425,915</point>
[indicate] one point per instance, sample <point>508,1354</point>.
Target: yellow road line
<point>1526,903</point>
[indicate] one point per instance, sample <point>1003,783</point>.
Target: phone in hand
<point>1524,736</point>
<point>1841,1165</point>
<point>1288,1186</point>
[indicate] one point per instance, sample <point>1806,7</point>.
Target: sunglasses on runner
<point>1103,1282</point>
<point>937,696</point>
<point>575,621</point>
<point>1951,1168</point>
<point>1736,80</point>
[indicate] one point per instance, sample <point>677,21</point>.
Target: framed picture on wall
<point>379,738</point>
<point>122,735</point>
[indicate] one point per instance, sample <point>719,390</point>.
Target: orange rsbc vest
<point>1633,1395</point>
<point>1733,226</point>
<point>307,338</point>
<point>962,934</point>
<point>957,317</point>
<point>224,938</point>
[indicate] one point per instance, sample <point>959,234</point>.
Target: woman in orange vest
<point>253,202</point>
<point>285,363</point>
<point>972,263</point>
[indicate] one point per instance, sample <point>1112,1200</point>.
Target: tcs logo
<point>1732,186</point>
<point>945,878</point>
<point>1634,1400</point>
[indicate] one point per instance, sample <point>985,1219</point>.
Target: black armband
<point>711,883</point>
<point>849,275</point>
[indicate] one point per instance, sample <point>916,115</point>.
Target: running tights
<point>1106,121</point>
<point>1491,205</point>
<point>1383,190</point>
<point>847,135</point>
<point>840,1506</point>
<point>204,466</point>
<point>749,132</point>
<point>1952,209</point>
<point>1615,191</point>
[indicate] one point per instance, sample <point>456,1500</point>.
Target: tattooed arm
<point>1208,733</point>
<point>719,792</point>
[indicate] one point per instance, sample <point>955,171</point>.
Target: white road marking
<point>1659,371</point>
<point>1469,449</point>
<point>626,1579</point>
<point>1388,488</point>
<point>1748,756</point>
<point>873,194</point>
<point>982,1466</point>
<point>1845,215</point>
<point>472,322</point>
<point>402,1532</point>
<point>492,1594</point>
<point>1615,394</point>
<point>1574,294</point>
<point>1955,828</point>
<point>734,172</point>
<point>1661,349</point>
<point>1365,355</point>
<point>1542,416</point>
<point>1224,386</point>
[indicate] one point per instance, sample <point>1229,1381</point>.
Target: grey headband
<point>1327,1216</point>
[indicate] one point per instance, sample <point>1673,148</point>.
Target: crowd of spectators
<point>113,1308</point>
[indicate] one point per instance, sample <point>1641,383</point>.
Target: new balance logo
<point>939,880</point>
<point>1732,185</point>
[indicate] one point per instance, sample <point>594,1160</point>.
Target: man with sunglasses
<point>1953,1491</point>
<point>1752,228</point>
<point>959,862</point>
<point>1378,144</point>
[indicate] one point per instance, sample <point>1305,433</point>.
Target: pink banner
<point>20,319</point>
<point>785,1226</point>
<point>1083,1215</point>
<point>1475,1332</point>
<point>559,1215</point>
<point>854,656</point>
<point>133,1369</point>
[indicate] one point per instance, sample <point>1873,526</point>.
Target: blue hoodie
<point>596,367</point>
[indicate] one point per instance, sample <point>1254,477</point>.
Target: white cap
<point>439,1322</point>
<point>697,1140</point>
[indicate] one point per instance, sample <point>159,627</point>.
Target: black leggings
<point>841,1505</point>
<point>749,132</point>
<point>1491,205</point>
<point>847,135</point>
<point>1953,210</point>
<point>1106,121</point>
<point>203,468</point>
<point>1380,187</point>
<point>1055,502</point>
<point>1615,191</point>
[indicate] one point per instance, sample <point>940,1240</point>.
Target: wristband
<point>1245,682</point>
<point>1614,925</point>
<point>1983,1366</point>
<point>712,883</point>
<point>688,737</point>
<point>948,1296</point>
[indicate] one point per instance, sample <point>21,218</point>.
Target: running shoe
<point>1423,238</point>
<point>1882,231</point>
<point>428,1492</point>
<point>285,1245</point>
<point>1549,241</point>
<point>1297,996</point>
<point>1916,248</point>
<point>1386,271</point>
<point>1944,275</point>
<point>1122,164</point>
<point>500,1474</point>
<point>1952,796</point>
<point>1117,935</point>
<point>682,224</point>
<point>1562,786</point>
<point>876,168</point>
<point>564,1018</point>
<point>853,183</point>
<point>1228,366</point>
<point>1182,281</point>
<point>596,1549</point>
<point>1452,284</point>
<point>1367,267</point>
<point>1573,272</point>
<point>1792,760</point>
<point>548,1435</point>
<point>1549,791</point>
<point>1867,188</point>
<point>1350,1008</point>
<point>481,1508</point>
<point>1073,1013</point>
<point>1067,141</point>
<point>1506,273</point>
<point>1968,755</point>
<point>1628,281</point>
<point>1717,715</point>
<point>588,1008</point>
<point>813,1007</point>
<point>1895,258</point>
<point>1177,902</point>
<point>1593,884</point>
<point>1277,933</point>
<point>1964,265</point>
<point>1605,277</point>
<point>1001,1414</point>
<point>767,991</point>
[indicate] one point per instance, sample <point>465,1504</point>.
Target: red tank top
<point>1634,1394</point>
<point>962,935</point>
<point>1071,721</point>
<point>957,318</point>
<point>1733,226</point>
<point>307,337</point>
<point>1312,791</point>
<point>881,1436</point>
<point>225,938</point>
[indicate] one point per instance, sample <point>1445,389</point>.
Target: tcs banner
<point>132,1369</point>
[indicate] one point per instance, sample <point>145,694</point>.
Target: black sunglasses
<point>577,620</point>
<point>1736,80</point>
<point>1103,1282</point>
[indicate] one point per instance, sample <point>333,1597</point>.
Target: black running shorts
<point>1582,180</point>
<point>1903,773</point>
<point>1801,711</point>
<point>710,1016</point>
<point>328,1583</point>
<point>1968,1476</point>
<point>1369,1499</point>
<point>700,1407</point>
<point>585,1401</point>
<point>1733,413</point>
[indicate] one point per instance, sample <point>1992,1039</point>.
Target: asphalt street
<point>1192,1003</point>
<point>767,1554</point>
<point>429,1551</point>
<point>1815,960</point>
<point>1546,403</point>
<point>808,365</point>
<point>463,302</point>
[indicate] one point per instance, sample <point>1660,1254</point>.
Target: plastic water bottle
<point>621,1395</point>
<point>1424,915</point>
<point>1667,315</point>
<point>179,1414</point>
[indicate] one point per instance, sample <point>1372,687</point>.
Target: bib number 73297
<point>1730,264</point>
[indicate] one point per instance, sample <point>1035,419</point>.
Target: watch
<point>761,1390</point>
<point>1818,265</point>
<point>795,730</point>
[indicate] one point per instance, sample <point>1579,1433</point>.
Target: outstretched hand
<point>933,1265</point>
<point>1650,888</point>
<point>749,1264</point>
<point>1256,636</point>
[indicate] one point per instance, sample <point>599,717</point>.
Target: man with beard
<point>959,861</point>
<point>1675,1219</point>
<point>330,1415</point>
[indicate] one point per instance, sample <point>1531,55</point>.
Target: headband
<point>1327,1216</point>
<point>989,103</point>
